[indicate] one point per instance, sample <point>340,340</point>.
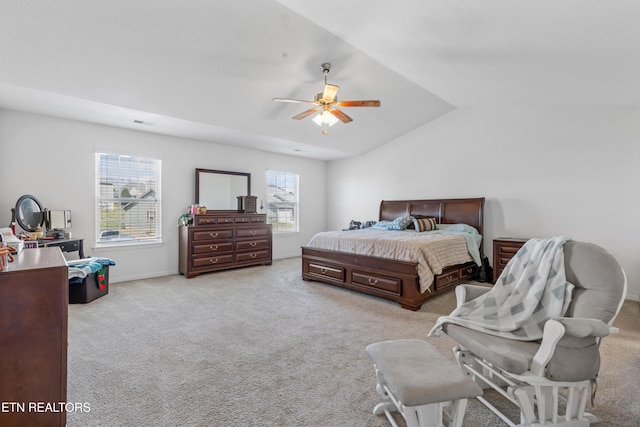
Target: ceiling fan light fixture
<point>326,118</point>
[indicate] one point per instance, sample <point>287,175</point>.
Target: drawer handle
<point>213,248</point>
<point>373,282</point>
<point>252,243</point>
<point>323,270</point>
<point>213,234</point>
<point>213,260</point>
<point>253,232</point>
<point>469,270</point>
<point>253,255</point>
<point>207,221</point>
<point>449,278</point>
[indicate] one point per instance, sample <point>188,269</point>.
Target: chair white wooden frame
<point>540,400</point>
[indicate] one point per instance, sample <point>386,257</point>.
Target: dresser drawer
<point>383,283</point>
<point>503,260</point>
<point>252,244</point>
<point>259,219</point>
<point>252,232</point>
<point>70,246</point>
<point>252,256</point>
<point>326,271</point>
<point>213,248</point>
<point>242,220</point>
<point>226,220</point>
<point>211,261</point>
<point>205,220</point>
<point>508,249</point>
<point>199,236</point>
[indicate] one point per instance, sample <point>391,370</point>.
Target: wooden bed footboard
<point>385,278</point>
<point>397,280</point>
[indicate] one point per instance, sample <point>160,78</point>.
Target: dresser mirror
<point>219,190</point>
<point>28,212</point>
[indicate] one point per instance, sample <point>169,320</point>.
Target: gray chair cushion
<point>598,278</point>
<point>510,355</point>
<point>575,359</point>
<point>418,374</point>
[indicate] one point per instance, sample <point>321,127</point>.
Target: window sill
<point>119,246</point>
<point>285,233</point>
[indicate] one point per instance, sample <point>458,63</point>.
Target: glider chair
<point>549,379</point>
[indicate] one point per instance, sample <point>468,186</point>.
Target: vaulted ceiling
<point>208,70</point>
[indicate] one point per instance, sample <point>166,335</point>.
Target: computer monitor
<point>59,220</point>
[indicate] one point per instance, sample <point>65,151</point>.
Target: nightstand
<point>504,248</point>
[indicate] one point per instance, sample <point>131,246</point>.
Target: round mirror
<point>29,213</point>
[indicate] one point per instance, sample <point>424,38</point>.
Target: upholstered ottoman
<point>421,383</point>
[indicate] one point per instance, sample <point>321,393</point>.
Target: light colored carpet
<point>261,347</point>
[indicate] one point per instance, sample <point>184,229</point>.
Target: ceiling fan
<point>326,104</point>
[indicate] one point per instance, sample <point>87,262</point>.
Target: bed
<point>394,279</point>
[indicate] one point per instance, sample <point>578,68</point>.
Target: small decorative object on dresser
<point>247,204</point>
<point>222,240</point>
<point>504,248</point>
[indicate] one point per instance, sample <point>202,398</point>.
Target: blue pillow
<point>401,223</point>
<point>458,227</point>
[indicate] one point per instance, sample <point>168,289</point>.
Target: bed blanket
<point>531,290</point>
<point>81,268</point>
<point>431,250</point>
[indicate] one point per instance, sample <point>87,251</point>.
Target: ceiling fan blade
<point>297,101</point>
<point>305,114</point>
<point>369,103</point>
<point>330,92</point>
<point>342,116</point>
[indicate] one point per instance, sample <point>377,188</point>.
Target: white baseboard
<point>143,276</point>
<point>633,297</point>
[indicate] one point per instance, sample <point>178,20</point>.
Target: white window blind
<point>282,201</point>
<point>127,199</point>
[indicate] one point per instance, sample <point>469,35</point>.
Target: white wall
<point>544,172</point>
<point>53,159</point>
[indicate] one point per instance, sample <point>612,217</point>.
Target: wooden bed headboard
<point>446,211</point>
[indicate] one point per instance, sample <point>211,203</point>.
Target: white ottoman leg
<point>457,412</point>
<point>428,416</point>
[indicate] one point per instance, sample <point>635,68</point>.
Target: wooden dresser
<point>504,249</point>
<point>34,297</point>
<point>222,240</point>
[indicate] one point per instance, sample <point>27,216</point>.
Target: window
<point>127,199</point>
<point>282,201</point>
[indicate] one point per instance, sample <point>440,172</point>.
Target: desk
<point>65,245</point>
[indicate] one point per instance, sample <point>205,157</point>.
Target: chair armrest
<point>467,292</point>
<point>555,329</point>
<point>577,327</point>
